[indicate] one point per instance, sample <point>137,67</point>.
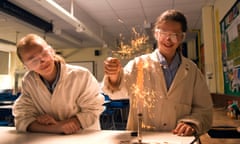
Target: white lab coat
<point>77,93</point>
<point>187,100</point>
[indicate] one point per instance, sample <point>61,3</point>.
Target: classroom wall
<point>88,54</point>
<point>6,80</point>
<point>211,16</point>
<point>212,50</point>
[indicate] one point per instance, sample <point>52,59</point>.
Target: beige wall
<point>87,54</point>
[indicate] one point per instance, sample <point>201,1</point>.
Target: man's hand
<point>112,68</point>
<point>70,126</point>
<point>46,120</point>
<point>184,129</point>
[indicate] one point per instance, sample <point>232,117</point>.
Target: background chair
<point>107,116</point>
<point>6,101</point>
<point>120,106</point>
<point>120,111</point>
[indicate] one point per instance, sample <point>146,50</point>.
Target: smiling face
<point>36,55</point>
<point>169,36</point>
<point>169,31</point>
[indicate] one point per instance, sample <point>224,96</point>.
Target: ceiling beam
<point>19,13</point>
<point>68,17</point>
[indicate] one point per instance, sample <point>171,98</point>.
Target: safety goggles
<point>35,62</point>
<point>174,37</point>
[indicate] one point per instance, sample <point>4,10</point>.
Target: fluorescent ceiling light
<point>68,17</point>
<point>59,11</point>
<point>80,29</point>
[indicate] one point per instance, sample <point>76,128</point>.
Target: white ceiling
<point>100,18</point>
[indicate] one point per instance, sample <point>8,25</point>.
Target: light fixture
<point>57,31</point>
<point>80,28</point>
<point>68,17</point>
<point>59,11</point>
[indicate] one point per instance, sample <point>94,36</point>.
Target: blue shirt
<point>48,85</point>
<point>169,70</point>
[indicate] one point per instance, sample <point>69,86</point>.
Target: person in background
<point>233,108</point>
<point>55,97</point>
<point>174,93</point>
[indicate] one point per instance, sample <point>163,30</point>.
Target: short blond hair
<point>32,40</point>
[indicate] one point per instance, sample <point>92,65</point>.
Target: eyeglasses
<point>175,37</point>
<point>35,62</point>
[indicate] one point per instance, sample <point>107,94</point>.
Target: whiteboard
<point>87,64</point>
